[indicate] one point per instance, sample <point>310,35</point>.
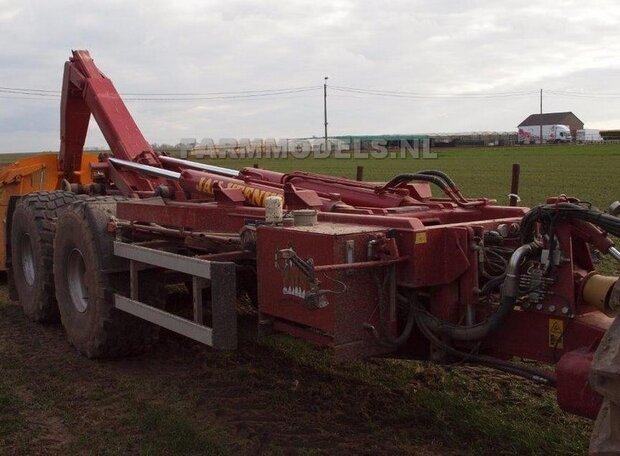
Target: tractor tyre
<point>87,275</point>
<point>32,237</point>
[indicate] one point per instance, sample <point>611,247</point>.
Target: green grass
<point>589,172</point>
<point>6,158</point>
<point>585,171</point>
<point>167,431</point>
<point>492,413</point>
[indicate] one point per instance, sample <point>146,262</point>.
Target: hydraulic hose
<point>505,366</point>
<point>509,295</point>
<point>545,213</point>
<point>438,181</point>
<point>386,338</point>
<point>440,174</point>
<point>447,179</point>
<point>407,177</point>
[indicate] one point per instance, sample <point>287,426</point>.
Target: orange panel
<point>32,174</point>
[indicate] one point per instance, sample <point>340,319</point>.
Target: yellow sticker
<point>420,238</point>
<point>556,331</point>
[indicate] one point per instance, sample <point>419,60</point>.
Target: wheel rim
<point>76,269</point>
<point>27,257</point>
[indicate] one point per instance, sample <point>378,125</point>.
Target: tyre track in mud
<point>263,404</point>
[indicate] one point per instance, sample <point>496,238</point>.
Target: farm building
<point>554,118</point>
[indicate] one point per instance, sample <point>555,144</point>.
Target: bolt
<point>538,306</point>
<point>551,308</point>
<point>565,310</point>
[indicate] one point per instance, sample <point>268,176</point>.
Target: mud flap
<point>7,248</point>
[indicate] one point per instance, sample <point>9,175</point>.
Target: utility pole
<point>325,111</point>
<point>541,119</point>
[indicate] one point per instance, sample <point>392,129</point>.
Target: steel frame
<point>216,275</point>
<point>435,244</point>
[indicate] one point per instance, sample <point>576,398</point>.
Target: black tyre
<point>86,276</point>
<point>32,236</point>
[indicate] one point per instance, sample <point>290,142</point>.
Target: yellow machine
<point>32,174</point>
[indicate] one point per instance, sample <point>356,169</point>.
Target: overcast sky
<point>434,48</point>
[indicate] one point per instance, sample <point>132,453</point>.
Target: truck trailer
<point>588,136</point>
<point>530,134</point>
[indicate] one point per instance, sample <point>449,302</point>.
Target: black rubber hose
<point>505,366</point>
<point>492,284</point>
<point>545,213</point>
<point>404,336</point>
<point>510,292</point>
<point>435,172</point>
<point>472,332</point>
<point>401,178</point>
<point>449,181</point>
<point>386,338</point>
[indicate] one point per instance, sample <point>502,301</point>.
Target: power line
<point>567,93</point>
<point>180,96</point>
<point>33,94</point>
<point>404,94</point>
<point>240,93</point>
<point>227,97</point>
<point>266,97</point>
<point>28,98</point>
<point>245,95</point>
<point>29,90</point>
<point>263,94</point>
<point>418,93</point>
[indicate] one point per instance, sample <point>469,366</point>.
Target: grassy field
<point>276,395</point>
<point>587,171</point>
<point>7,158</point>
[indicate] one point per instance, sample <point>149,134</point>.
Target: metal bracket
<point>219,276</point>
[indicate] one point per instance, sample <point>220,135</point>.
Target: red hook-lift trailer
<point>362,268</point>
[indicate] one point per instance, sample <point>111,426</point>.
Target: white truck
<point>588,135</point>
<point>530,134</point>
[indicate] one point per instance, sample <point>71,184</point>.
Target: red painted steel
<point>352,294</point>
<point>86,90</point>
<point>574,392</point>
<point>364,232</point>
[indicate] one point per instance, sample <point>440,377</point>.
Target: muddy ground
<point>274,395</point>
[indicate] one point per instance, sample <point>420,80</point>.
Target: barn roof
<point>549,118</point>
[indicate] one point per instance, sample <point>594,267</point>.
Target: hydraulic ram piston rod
<point>199,166</point>
<point>146,169</point>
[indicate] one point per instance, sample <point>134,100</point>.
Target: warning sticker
<point>420,238</point>
<point>556,331</point>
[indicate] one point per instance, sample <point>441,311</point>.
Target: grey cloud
<point>422,46</point>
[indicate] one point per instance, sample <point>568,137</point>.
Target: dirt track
<point>266,398</point>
